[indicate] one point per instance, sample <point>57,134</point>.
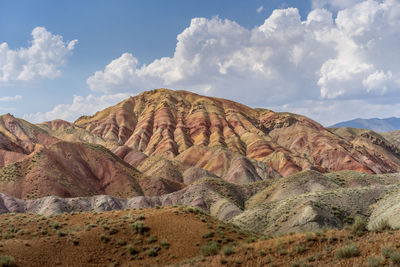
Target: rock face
<point>264,171</point>
<point>231,140</point>
<point>69,169</point>
<point>19,138</point>
<point>387,210</point>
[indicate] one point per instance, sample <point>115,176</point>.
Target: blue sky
<point>135,34</point>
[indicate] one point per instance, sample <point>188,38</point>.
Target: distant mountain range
<point>374,124</point>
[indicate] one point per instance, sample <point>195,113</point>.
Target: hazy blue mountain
<point>374,124</point>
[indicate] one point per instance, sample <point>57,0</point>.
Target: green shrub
<point>140,217</point>
<point>395,258</point>
<point>121,242</point>
<point>359,227</point>
<point>210,249</point>
<point>208,235</point>
<point>152,252</point>
<point>298,263</point>
<point>387,250</point>
<point>299,249</point>
<point>347,252</point>
<point>131,250</point>
<point>374,261</point>
<point>113,231</point>
<point>228,250</point>
<point>164,244</point>
<point>139,227</point>
<point>7,261</point>
<point>104,238</point>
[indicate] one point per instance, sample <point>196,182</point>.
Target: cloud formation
<point>354,56</point>
<point>42,59</point>
<point>334,4</point>
<point>70,112</point>
<point>329,68</point>
<point>10,98</point>
<point>260,9</point>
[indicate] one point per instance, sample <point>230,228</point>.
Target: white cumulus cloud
<point>10,98</point>
<point>260,9</point>
<point>328,67</point>
<point>42,59</point>
<point>334,4</point>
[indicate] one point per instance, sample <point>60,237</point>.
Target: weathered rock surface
<point>387,210</point>
<point>313,211</point>
<point>68,169</point>
<point>210,133</point>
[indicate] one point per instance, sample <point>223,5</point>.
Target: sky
<point>331,60</point>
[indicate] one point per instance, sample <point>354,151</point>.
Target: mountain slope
<point>70,169</point>
<point>19,138</point>
<point>374,124</point>
<point>169,123</point>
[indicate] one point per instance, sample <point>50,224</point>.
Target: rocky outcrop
<point>230,140</point>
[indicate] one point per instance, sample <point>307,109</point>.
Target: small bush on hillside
<point>228,250</point>
<point>140,217</point>
<point>359,227</point>
<point>299,249</point>
<point>121,242</point>
<point>310,237</point>
<point>210,249</point>
<point>152,252</point>
<point>131,250</point>
<point>347,252</point>
<point>298,263</point>
<point>208,235</point>
<point>7,261</point>
<point>395,258</point>
<point>387,250</point>
<point>139,227</point>
<point>223,261</point>
<point>104,238</point>
<point>374,261</point>
<point>164,244</point>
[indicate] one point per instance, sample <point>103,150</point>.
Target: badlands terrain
<point>175,178</point>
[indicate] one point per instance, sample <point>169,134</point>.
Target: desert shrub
<point>104,238</point>
<point>153,239</point>
<point>7,261</point>
<point>210,249</point>
<point>131,250</point>
<point>374,261</point>
<point>310,237</point>
<point>387,250</point>
<point>298,263</point>
<point>299,249</point>
<point>228,250</point>
<point>164,244</point>
<point>208,235</point>
<point>395,258</point>
<point>347,252</point>
<point>152,252</point>
<point>121,242</point>
<point>140,217</point>
<point>61,233</point>
<point>139,227</point>
<point>359,227</point>
<point>250,240</point>
<point>113,231</point>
